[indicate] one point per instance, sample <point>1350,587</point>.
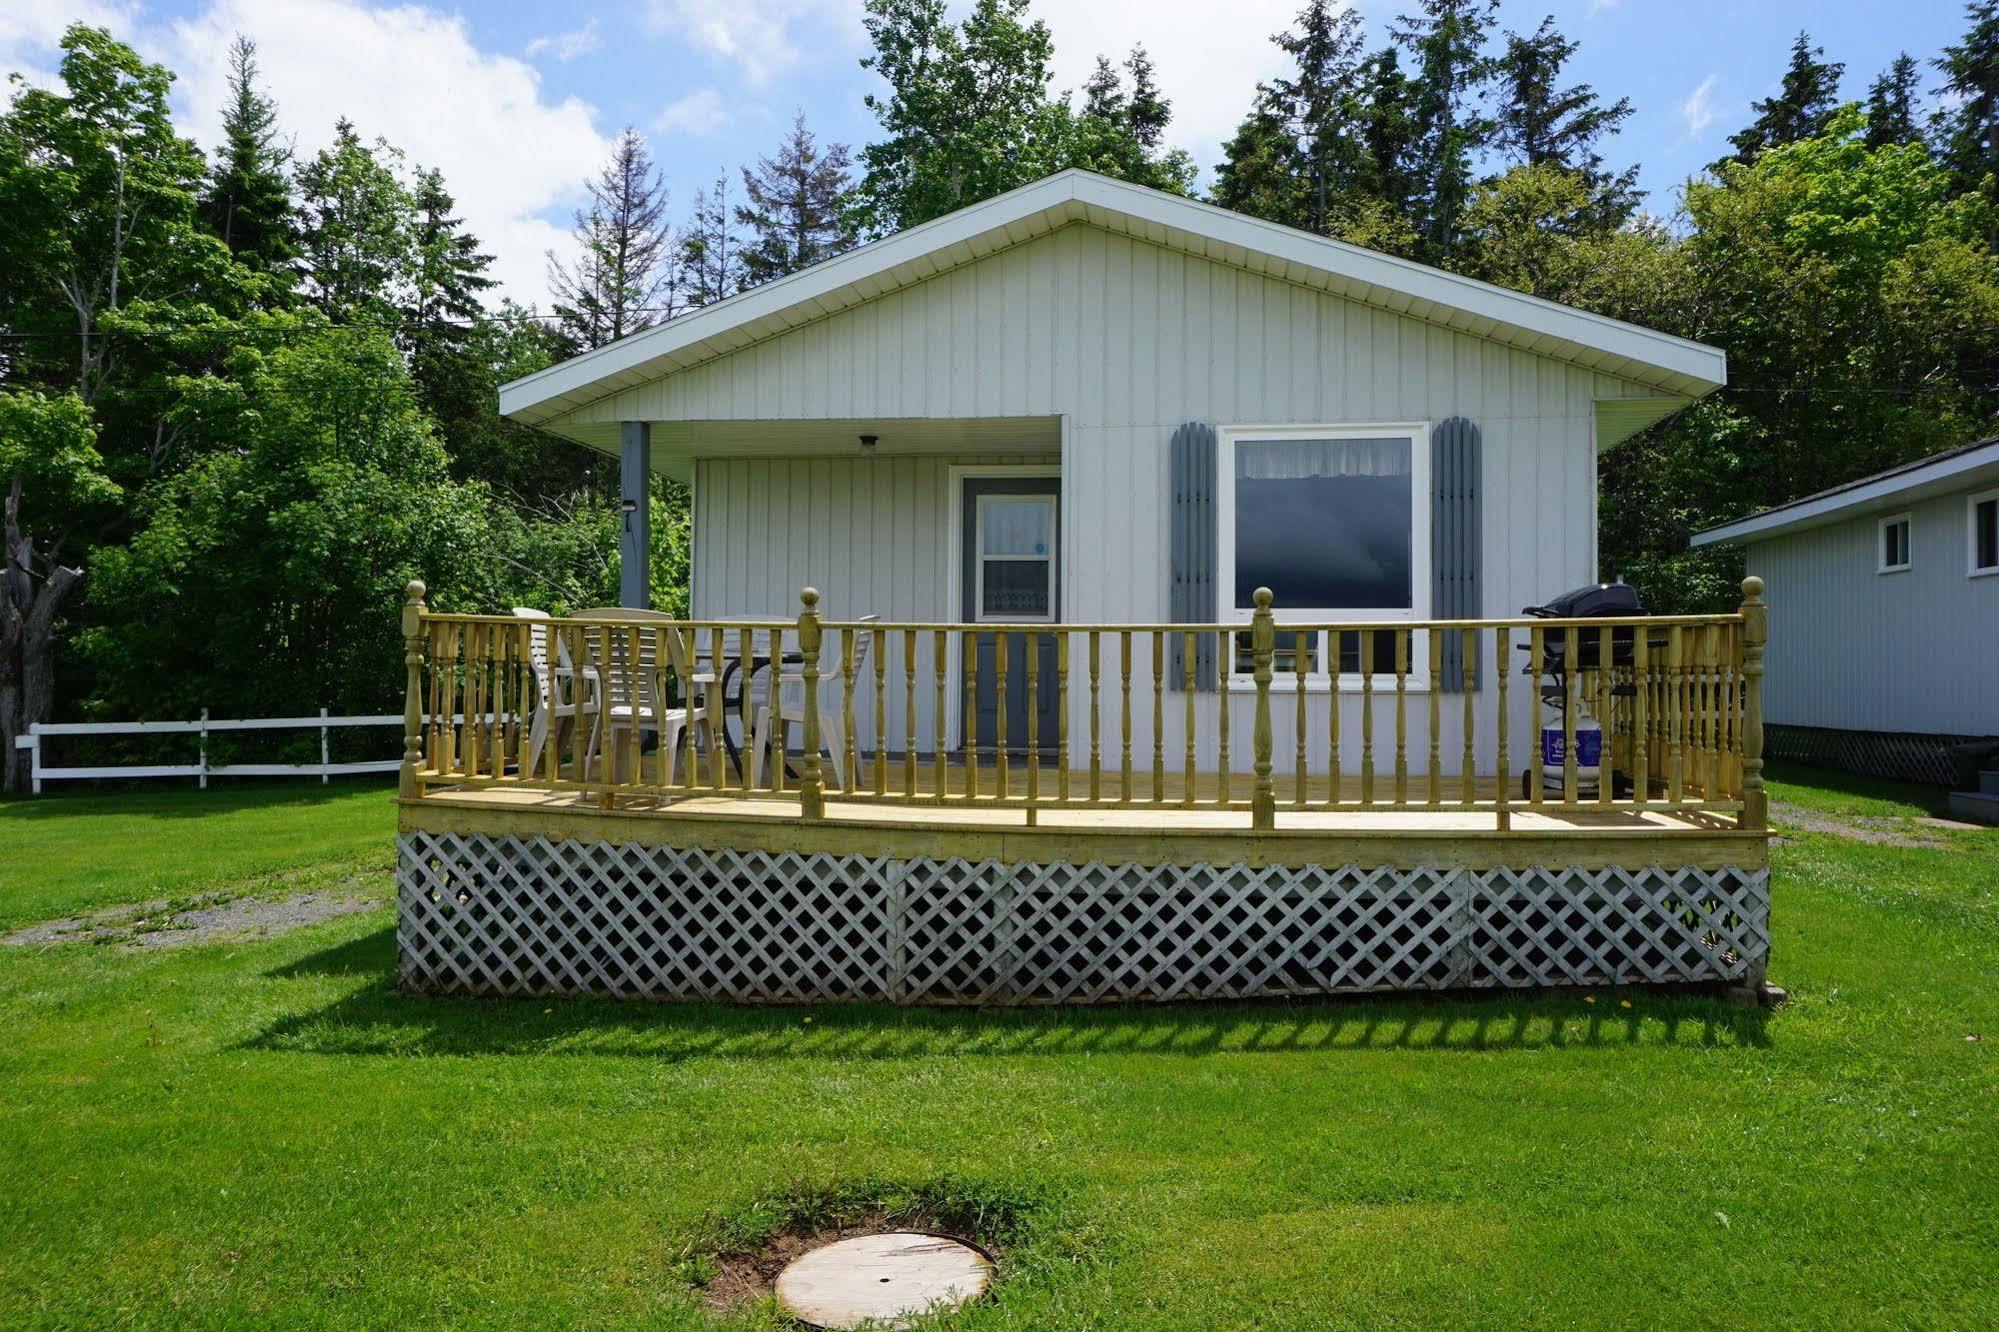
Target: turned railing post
<point>1755,633</point>
<point>812,789</point>
<point>411,785</point>
<point>1263,650</point>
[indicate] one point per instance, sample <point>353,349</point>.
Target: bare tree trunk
<point>27,641</point>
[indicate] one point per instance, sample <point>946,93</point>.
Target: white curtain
<point>1287,459</point>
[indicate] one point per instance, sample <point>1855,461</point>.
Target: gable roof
<point>1963,468</point>
<point>1672,365</point>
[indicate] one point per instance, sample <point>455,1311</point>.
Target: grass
<point>257,1133</point>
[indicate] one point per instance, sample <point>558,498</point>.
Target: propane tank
<point>1589,752</point>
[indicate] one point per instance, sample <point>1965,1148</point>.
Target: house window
<point>1893,543</point>
<point>1016,545</point>
<point>1984,533</point>
<point>1335,521</point>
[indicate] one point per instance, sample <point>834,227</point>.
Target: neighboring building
<point>1884,614</point>
<point>1185,402</point>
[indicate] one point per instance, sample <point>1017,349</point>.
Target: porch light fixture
<point>630,507</point>
<point>868,443</point>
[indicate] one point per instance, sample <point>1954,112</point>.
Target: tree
<point>1446,40</point>
<point>1147,113</point>
<point>711,263</point>
<point>794,207</point>
<point>48,449</point>
<point>1802,109</point>
<point>1118,133</point>
<point>1541,124</point>
<point>1258,171</point>
<point>1967,137</point>
<point>1319,102</point>
<point>358,243</point>
<point>622,279</point>
<point>249,199</point>
<point>1891,106</point>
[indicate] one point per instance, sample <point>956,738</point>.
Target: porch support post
<point>635,494</point>
<point>812,789</point>
<point>1263,649</point>
<point>1755,633</point>
<point>409,784</point>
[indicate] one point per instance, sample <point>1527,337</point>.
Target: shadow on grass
<point>379,1019</point>
<point>1816,781</point>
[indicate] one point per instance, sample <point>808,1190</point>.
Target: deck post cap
<point>1752,588</point>
<point>810,596</point>
<point>414,590</point>
<point>1263,597</point>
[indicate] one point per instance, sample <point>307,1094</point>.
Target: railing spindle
<point>1300,661</point>
<point>1124,726</point>
<point>718,760</point>
<point>1435,635</point>
<point>1263,645</point>
<point>879,641</point>
<point>1502,651</point>
<point>1096,720</point>
<point>1572,678</point>
<point>1641,715</point>
<point>940,658</point>
<point>1032,642</point>
<point>1676,711</point>
<point>584,695</point>
<point>1158,717</point>
<point>1536,659</point>
<point>1605,779</point>
<point>1335,772</point>
<point>1467,680</point>
<point>776,705</point>
<point>909,713</point>
<point>1224,665</point>
<point>1188,652</point>
<point>1002,723</point>
<point>970,649</point>
<point>1062,715</point>
<point>1366,717</point>
<point>1401,639</point>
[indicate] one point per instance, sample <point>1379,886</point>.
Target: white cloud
<point>760,37</point>
<point>1698,110</point>
<point>31,29</point>
<point>566,46</point>
<point>1207,67</point>
<point>413,76</point>
<point>1598,6</point>
<point>700,112</point>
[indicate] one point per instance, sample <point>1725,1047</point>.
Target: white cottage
<point>1086,401</point>
<point>1047,462</point>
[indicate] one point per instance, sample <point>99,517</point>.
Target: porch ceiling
<point>676,444</point>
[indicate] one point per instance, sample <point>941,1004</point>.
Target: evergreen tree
<point>1258,171</point>
<point>794,207</point>
<point>1542,124</point>
<point>438,326</point>
<point>249,200</point>
<point>1118,133</point>
<point>622,279</point>
<point>1891,106</point>
<point>711,265</point>
<point>1103,92</point>
<point>1967,137</point>
<point>1389,135</point>
<point>1446,39</point>
<point>1146,111</point>
<point>357,248</point>
<point>1319,102</point>
<point>1802,108</point>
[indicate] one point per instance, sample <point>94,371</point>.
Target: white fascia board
<point>1960,472</point>
<point>1676,364</point>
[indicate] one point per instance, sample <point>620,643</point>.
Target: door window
<point>1016,557</point>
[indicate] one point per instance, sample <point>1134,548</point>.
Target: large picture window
<point>1335,521</point>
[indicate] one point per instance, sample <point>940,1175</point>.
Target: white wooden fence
<point>325,769</point>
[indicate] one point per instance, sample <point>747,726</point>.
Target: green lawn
<point>262,1133</point>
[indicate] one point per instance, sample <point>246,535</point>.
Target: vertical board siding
<point>1854,649</point>
<point>1127,341</point>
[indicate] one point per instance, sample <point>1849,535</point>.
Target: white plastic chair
<point>773,727</point>
<point>634,682</point>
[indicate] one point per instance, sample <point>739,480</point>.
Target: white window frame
<point>1971,503</point>
<point>979,557</point>
<point>1319,680</point>
<point>1881,527</point>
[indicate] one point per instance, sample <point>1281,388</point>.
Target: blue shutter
<point>1454,542</point>
<point>1192,598</point>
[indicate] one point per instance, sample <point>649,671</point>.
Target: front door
<point>1012,575</point>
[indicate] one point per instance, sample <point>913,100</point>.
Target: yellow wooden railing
<point>630,705</point>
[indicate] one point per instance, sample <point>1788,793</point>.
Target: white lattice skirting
<point>502,915</point>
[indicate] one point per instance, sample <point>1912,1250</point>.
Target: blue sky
<point>515,101</point>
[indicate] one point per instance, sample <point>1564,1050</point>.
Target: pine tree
<point>1446,39</point>
<point>1146,112</point>
<point>437,330</point>
<point>1319,102</point>
<point>1103,92</point>
<point>1389,133</point>
<point>1967,137</point>
<point>711,264</point>
<point>1258,171</point>
<point>1542,124</point>
<point>1801,109</point>
<point>622,279</point>
<point>1891,106</point>
<point>793,207</point>
<point>249,201</point>
<point>357,242</point>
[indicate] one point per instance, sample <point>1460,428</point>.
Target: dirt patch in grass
<point>208,919</point>
<point>1881,829</point>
